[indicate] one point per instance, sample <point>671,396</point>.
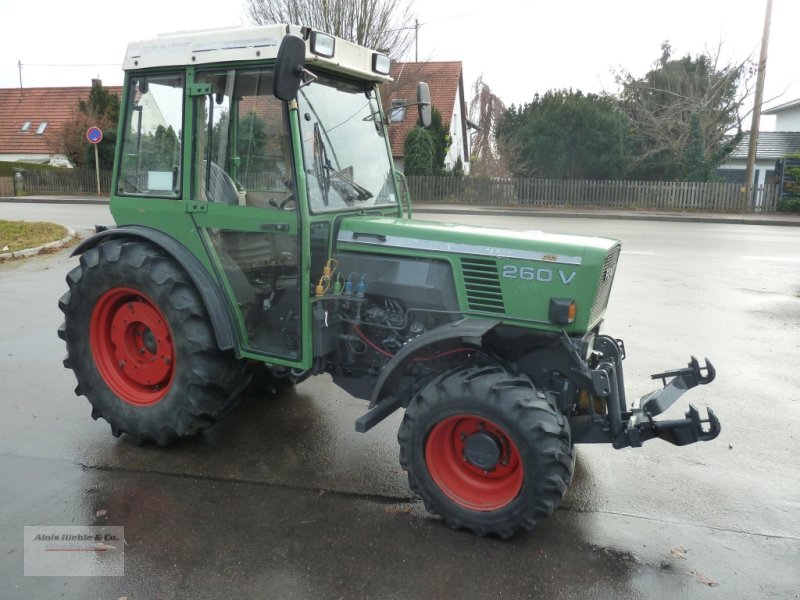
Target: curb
<point>27,252</point>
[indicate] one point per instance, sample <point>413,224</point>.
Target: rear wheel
<point>486,450</point>
<point>141,344</point>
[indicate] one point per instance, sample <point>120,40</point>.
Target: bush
<point>7,168</point>
<point>789,205</point>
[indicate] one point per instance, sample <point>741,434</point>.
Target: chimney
<point>97,82</point>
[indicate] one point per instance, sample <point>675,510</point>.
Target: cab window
<point>242,153</point>
<point>152,137</point>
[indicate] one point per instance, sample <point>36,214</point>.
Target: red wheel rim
<point>132,346</point>
<point>465,483</point>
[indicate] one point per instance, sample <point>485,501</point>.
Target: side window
<point>397,113</point>
<point>152,137</point>
<point>242,151</point>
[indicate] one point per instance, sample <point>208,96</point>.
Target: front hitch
<point>641,426</point>
<point>685,379</point>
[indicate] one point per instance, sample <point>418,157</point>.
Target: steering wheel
<point>285,203</point>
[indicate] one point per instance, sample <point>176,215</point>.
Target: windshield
<point>344,147</point>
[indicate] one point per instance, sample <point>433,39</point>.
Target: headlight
<point>323,44</point>
<point>381,64</point>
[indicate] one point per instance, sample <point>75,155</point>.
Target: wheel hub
<point>132,346</point>
<point>474,462</point>
<point>149,340</point>
<point>483,450</point>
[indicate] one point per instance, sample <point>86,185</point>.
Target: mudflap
<point>641,426</point>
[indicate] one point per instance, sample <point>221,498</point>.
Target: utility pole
<point>19,65</point>
<point>755,123</point>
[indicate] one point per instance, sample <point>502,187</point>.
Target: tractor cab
<point>266,137</point>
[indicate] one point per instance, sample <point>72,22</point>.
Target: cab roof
<point>245,44</point>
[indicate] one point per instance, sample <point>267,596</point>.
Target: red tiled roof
<point>54,105</point>
<point>442,78</point>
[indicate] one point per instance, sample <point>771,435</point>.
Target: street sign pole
<point>97,168</point>
<point>95,135</point>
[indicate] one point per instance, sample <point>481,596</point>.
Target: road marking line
<point>774,259</point>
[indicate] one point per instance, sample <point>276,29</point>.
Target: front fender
<point>464,331</point>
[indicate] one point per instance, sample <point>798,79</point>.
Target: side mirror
<point>289,68</point>
<point>424,104</point>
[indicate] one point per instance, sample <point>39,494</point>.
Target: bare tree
<point>485,111</point>
<point>383,25</point>
<point>682,112</point>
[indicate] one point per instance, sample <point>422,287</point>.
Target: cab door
<point>245,206</point>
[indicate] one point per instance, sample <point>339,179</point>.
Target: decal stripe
<point>434,246</point>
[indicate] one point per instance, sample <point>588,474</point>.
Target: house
<point>32,121</point>
<point>772,145</point>
<point>446,83</point>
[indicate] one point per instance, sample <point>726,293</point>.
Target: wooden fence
<point>6,186</point>
<point>556,193</point>
<point>66,181</point>
<point>495,191</point>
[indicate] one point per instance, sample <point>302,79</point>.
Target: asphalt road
<point>284,499</point>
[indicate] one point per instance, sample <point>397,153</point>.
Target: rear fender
<point>215,302</point>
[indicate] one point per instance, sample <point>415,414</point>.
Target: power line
<point>22,64</point>
<point>417,25</point>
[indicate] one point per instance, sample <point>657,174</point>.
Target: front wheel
<point>486,450</point>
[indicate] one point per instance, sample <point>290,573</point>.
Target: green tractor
<point>262,234</point>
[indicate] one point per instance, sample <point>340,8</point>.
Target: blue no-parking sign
<point>94,135</point>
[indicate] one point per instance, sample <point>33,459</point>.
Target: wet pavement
<point>284,499</point>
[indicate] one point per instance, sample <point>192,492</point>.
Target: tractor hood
<point>429,236</point>
<point>511,274</point>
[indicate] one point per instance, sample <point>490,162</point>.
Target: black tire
<point>173,380</point>
<point>527,438</point>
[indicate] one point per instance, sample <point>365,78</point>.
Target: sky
<point>520,47</point>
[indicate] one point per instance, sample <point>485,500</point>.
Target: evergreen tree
<point>419,152</point>
<point>441,142</point>
<point>565,135</point>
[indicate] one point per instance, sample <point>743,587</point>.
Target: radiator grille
<point>482,284</point>
<point>604,285</point>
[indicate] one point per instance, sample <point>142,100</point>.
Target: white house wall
<point>458,146</point>
<point>788,120</point>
